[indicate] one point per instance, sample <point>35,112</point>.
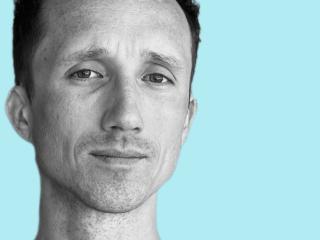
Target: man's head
<point>110,94</point>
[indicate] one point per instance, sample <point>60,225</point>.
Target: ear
<point>19,112</point>
<point>192,109</point>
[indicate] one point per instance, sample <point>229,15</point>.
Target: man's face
<point>110,109</point>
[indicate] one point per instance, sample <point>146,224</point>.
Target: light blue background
<point>250,168</point>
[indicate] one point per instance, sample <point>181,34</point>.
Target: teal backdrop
<point>250,169</point>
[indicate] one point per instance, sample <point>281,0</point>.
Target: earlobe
<point>192,109</point>
<point>19,112</point>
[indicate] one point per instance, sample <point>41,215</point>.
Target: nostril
<point>125,127</point>
<point>137,129</point>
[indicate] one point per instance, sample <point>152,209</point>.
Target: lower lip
<point>118,161</point>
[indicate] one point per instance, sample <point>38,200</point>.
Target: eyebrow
<point>160,58</point>
<point>147,55</point>
<point>87,54</point>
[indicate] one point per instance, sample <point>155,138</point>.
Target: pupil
<point>84,73</point>
<point>157,78</point>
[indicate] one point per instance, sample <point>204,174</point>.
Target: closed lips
<point>118,154</point>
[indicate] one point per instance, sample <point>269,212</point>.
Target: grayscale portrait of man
<point>103,92</point>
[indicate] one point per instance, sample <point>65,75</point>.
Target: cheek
<point>165,126</point>
<point>61,114</point>
<point>50,118</point>
<point>167,120</point>
<point>54,122</point>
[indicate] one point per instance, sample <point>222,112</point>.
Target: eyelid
<point>166,68</point>
<point>86,69</point>
<point>94,66</point>
<point>169,80</point>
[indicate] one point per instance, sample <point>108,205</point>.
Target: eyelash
<point>168,80</point>
<point>75,75</point>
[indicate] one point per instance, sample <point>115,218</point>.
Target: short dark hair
<point>28,30</point>
<point>191,10</point>
<point>27,33</point>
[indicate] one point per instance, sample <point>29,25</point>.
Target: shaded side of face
<point>111,77</point>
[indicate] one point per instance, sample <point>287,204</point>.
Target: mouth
<point>119,158</point>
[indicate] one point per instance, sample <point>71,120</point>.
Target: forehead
<point>160,24</point>
<point>56,11</point>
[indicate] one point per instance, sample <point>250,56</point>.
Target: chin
<point>114,199</point>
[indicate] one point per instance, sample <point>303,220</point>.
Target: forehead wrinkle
<point>86,54</point>
<point>57,12</point>
<point>170,60</point>
<point>95,52</point>
<point>80,12</point>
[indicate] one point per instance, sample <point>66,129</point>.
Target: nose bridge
<point>124,113</point>
<point>126,98</point>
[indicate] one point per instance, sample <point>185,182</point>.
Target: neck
<point>63,216</point>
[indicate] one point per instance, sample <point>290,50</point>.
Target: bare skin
<point>109,114</point>
<point>64,217</point>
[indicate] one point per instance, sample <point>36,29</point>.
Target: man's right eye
<point>85,74</point>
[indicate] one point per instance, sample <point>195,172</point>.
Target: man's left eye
<point>156,78</point>
<point>86,73</point>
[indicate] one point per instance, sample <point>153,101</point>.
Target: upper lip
<point>115,153</point>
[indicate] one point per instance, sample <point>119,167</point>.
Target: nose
<point>123,114</point>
